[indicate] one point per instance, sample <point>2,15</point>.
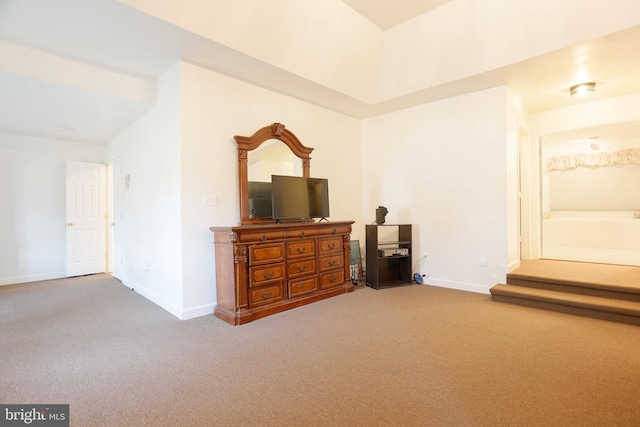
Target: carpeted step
<point>567,302</point>
<point>627,293</point>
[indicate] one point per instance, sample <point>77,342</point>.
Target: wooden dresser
<point>268,268</point>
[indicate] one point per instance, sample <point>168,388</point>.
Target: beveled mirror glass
<point>273,157</point>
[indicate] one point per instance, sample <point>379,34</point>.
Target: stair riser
<point>580,311</point>
<point>574,289</point>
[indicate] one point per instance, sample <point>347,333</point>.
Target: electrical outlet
<point>147,267</point>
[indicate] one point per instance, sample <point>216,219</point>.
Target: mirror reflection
<point>273,157</point>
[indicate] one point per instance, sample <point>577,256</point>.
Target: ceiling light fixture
<point>583,89</point>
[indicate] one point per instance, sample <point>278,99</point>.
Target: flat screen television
<point>295,197</point>
<point>259,199</point>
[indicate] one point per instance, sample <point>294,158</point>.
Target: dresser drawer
<point>303,267</point>
<point>265,254</point>
<point>261,275</point>
<point>330,262</point>
<point>330,244</point>
<point>265,294</point>
<point>301,248</point>
<point>331,279</point>
<point>302,286</point>
<point>335,229</point>
<point>259,236</point>
<point>299,234</point>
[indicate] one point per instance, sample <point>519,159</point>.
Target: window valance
<point>595,160</point>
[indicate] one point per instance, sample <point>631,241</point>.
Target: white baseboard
<point>508,268</point>
<point>461,286</point>
<point>154,298</point>
<point>202,310</point>
<point>32,278</point>
<point>180,313</point>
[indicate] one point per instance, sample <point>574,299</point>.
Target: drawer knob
<point>334,231</point>
<point>301,269</point>
<point>270,276</point>
<point>332,279</point>
<point>267,296</point>
<point>332,262</point>
<point>263,238</point>
<point>302,250</point>
<point>332,245</point>
<point>302,234</point>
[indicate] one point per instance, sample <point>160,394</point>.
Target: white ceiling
<point>614,132</point>
<point>389,13</point>
<point>114,37</point>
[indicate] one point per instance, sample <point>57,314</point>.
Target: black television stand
<point>388,252</point>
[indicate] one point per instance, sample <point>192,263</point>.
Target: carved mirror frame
<point>249,143</point>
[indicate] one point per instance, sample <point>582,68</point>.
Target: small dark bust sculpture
<point>381,212</point>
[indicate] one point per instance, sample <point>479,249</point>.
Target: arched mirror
<point>272,150</point>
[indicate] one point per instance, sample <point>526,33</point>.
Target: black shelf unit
<point>388,271</point>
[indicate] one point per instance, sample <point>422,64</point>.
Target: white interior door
<point>86,218</point>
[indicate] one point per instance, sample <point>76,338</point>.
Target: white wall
<point>606,188</point>
<point>442,167</point>
<point>601,237</point>
<point>33,195</point>
<point>149,151</point>
<point>214,109</point>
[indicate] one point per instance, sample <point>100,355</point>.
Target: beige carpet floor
<point>606,274</point>
<point>409,356</point>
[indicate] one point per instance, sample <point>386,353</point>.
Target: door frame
<point>115,225</point>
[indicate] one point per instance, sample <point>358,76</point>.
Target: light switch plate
<point>210,200</point>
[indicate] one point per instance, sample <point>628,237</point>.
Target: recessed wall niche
<point>577,177</point>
